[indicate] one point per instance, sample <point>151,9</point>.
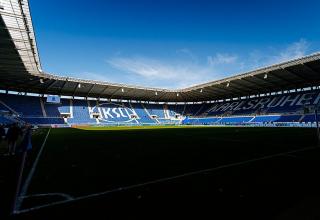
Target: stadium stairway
<point>44,113</point>
<point>148,114</point>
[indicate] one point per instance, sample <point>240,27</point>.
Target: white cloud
<point>160,73</point>
<point>188,53</point>
<point>293,51</point>
<point>92,76</point>
<point>220,58</point>
<point>274,56</point>
<point>186,68</point>
<point>144,67</point>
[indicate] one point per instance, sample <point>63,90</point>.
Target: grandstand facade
<point>282,93</point>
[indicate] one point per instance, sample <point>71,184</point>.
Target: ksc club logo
<point>114,113</point>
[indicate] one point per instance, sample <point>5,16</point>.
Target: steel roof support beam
<point>233,88</point>
<point>103,91</point>
<point>28,31</point>
<point>250,82</point>
<point>294,74</point>
<point>117,90</point>
<point>50,85</point>
<point>134,92</point>
<point>310,69</point>
<point>127,92</point>
<point>257,85</point>
<point>75,89</point>
<point>266,81</point>
<point>141,94</point>
<point>33,83</point>
<point>15,67</point>
<point>91,88</point>
<point>161,96</point>
<point>62,87</point>
<point>151,96</point>
<point>15,49</point>
<point>219,89</point>
<point>205,93</point>
<point>26,83</point>
<point>242,87</point>
<point>14,40</point>
<point>281,78</point>
<point>183,97</point>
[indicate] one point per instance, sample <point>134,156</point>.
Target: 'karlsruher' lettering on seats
<point>272,103</point>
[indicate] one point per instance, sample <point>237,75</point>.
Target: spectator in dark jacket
<point>14,132</point>
<point>2,133</point>
<point>26,144</point>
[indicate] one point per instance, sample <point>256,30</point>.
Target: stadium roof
<point>20,70</point>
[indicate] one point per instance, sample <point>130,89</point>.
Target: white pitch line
<point>31,173</point>
<point>66,196</point>
<point>166,179</point>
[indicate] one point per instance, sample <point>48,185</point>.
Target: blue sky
<point>171,43</point>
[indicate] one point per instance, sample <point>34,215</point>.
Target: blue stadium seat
<point>266,118</point>
<point>80,113</point>
<point>24,105</point>
<point>44,121</point>
<point>233,120</point>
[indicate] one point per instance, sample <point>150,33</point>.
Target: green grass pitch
<point>86,160</point>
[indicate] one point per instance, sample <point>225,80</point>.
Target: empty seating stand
<point>284,108</point>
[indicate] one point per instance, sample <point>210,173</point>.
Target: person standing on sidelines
<point>26,144</point>
<point>2,133</point>
<point>12,136</point>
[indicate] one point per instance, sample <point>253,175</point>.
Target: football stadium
<point>243,146</point>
